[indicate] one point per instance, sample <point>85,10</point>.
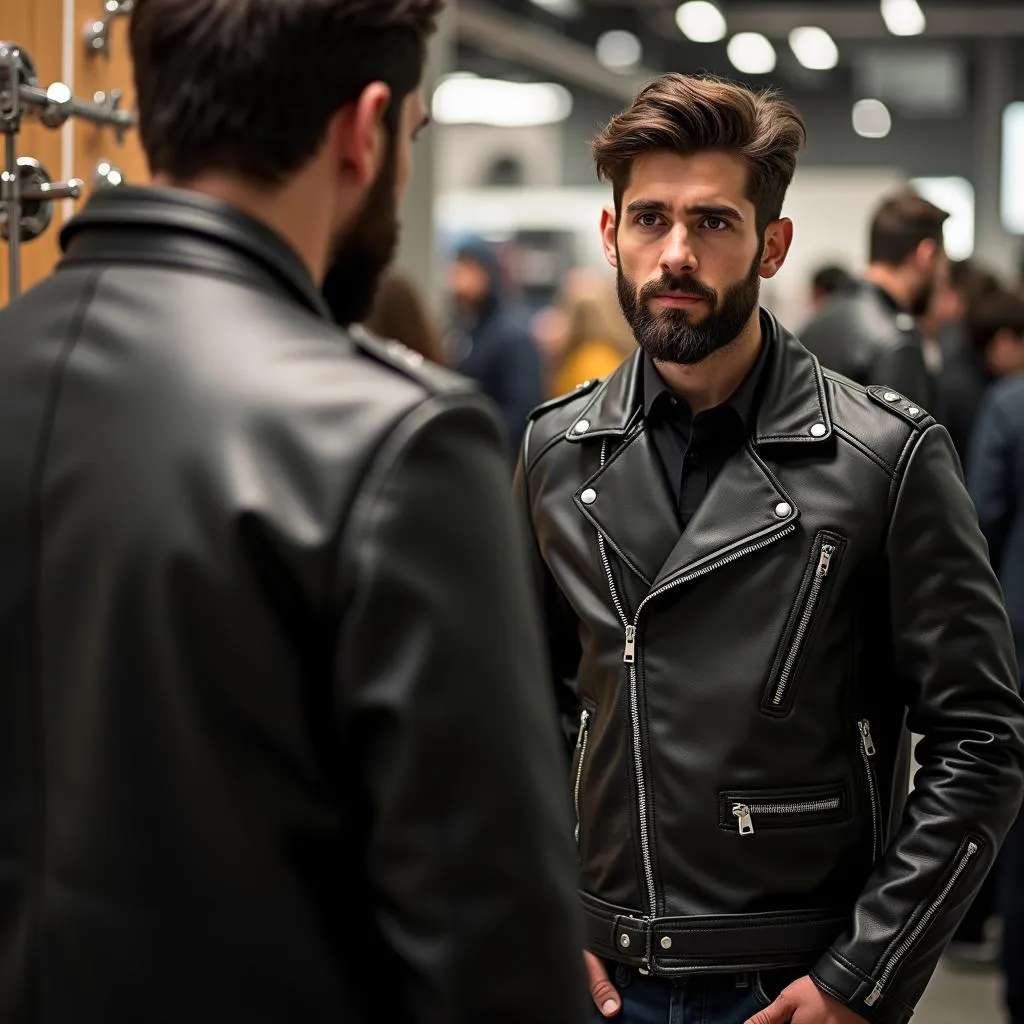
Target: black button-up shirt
<point>693,449</point>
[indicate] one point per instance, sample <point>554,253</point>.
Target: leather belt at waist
<point>709,944</point>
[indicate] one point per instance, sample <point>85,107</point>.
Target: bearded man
<point>261,589</point>
<point>754,575</point>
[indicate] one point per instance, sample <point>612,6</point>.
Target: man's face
<point>366,246</point>
<point>934,280</point>
<point>688,253</point>
<point>468,282</point>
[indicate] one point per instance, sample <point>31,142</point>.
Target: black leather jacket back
<point>261,596</point>
<point>740,756</point>
<point>862,334</point>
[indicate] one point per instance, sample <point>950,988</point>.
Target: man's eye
<point>647,220</point>
<point>715,223</point>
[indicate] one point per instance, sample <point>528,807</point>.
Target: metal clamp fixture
<point>27,192</point>
<point>97,32</point>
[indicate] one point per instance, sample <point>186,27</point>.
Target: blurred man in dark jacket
<point>996,480</point>
<point>994,329</point>
<point>870,334</point>
<point>494,346</point>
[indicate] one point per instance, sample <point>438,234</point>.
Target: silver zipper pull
<point>584,718</point>
<point>629,654</point>
<point>865,737</point>
<point>876,994</point>
<point>741,812</point>
<point>827,551</point>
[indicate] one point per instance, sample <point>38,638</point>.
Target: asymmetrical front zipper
<point>825,553</point>
<point>867,752</point>
<point>581,753</point>
<point>818,808</point>
<point>629,658</point>
<point>962,864</point>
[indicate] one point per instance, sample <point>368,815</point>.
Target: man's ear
<point>609,231</point>
<point>924,254</point>
<point>357,137</point>
<point>778,237</point>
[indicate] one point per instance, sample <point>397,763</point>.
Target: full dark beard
<point>670,335</point>
<point>361,255</point>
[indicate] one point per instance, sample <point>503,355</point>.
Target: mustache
<point>679,285</point>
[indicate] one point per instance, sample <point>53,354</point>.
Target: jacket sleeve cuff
<point>849,985</point>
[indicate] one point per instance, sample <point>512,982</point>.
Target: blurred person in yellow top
<point>586,336</point>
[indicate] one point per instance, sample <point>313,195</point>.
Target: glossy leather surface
<point>275,730</point>
<point>753,676</point>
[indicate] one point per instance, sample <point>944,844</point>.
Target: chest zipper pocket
<point>748,813</point>
<point>582,742</point>
<point>867,753</point>
<point>825,559</point>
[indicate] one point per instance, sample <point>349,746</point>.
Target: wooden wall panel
<point>37,26</point>
<point>101,73</point>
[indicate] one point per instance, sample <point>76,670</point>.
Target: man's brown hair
<point>249,86</point>
<point>686,115</point>
<point>900,224</point>
<point>997,311</point>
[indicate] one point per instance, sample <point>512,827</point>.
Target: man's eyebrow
<point>712,210</point>
<point>647,206</point>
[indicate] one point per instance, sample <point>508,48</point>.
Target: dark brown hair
<point>249,86</point>
<point>685,115</point>
<point>400,313</point>
<point>900,224</point>
<point>992,313</point>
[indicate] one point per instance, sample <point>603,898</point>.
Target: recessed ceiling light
<point>814,48</point>
<point>701,22</point>
<point>871,119</point>
<point>751,53</point>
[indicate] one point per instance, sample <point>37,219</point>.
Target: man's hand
<point>803,1003</point>
<point>606,999</point>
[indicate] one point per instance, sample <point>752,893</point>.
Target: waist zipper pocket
<point>824,562</point>
<point>867,753</point>
<point>749,812</point>
<point>968,850</point>
<point>581,755</point>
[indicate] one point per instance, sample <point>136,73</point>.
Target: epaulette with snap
<point>900,406</point>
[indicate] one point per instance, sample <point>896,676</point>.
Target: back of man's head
<point>900,224</point>
<point>248,87</point>
<point>994,314</point>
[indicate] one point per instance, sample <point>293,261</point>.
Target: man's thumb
<point>780,1012</point>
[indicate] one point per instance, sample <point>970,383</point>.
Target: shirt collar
<point>744,400</point>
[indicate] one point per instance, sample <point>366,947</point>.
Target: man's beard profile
<point>671,335</point>
<point>362,253</point>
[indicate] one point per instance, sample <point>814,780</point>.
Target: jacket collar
<point>793,408</point>
<point>180,227</point>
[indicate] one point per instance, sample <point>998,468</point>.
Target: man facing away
<point>870,334</point>
<point>276,742</point>
<point>754,570</point>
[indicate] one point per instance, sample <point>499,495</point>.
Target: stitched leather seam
<point>865,449</point>
<point>901,466</point>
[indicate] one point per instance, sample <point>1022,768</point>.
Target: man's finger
<point>780,1012</point>
<point>601,989</point>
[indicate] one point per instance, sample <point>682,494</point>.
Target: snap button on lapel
<point>783,509</point>
<point>589,496</point>
<point>582,427</point>
<point>624,941</point>
<point>819,430</point>
<point>666,943</point>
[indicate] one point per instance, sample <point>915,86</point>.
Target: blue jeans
<point>712,999</point>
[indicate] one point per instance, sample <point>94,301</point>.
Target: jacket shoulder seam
<point>865,449</point>
<point>912,444</point>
